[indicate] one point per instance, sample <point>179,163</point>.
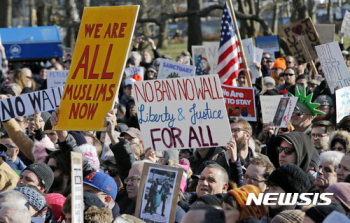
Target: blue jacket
<point>19,164</point>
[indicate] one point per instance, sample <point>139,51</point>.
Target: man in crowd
<point>265,67</point>
<point>128,93</point>
<point>302,80</point>
<point>12,151</point>
<point>146,59</point>
<point>290,62</point>
<point>278,68</point>
<point>289,78</point>
<point>301,119</point>
<point>327,106</point>
<point>213,180</point>
<point>14,212</point>
<point>269,83</point>
<point>300,68</point>
<point>257,173</point>
<point>320,133</point>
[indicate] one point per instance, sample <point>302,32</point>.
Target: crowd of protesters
<point>309,156</point>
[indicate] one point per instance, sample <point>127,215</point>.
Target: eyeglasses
<point>288,62</point>
<point>9,146</point>
<point>133,179</point>
<point>236,130</point>
<point>266,58</point>
<point>313,135</point>
<point>287,150</point>
<point>253,179</point>
<point>300,113</point>
<point>286,74</point>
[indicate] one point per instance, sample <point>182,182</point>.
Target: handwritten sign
<point>284,111</point>
<point>269,44</point>
<point>23,105</point>
<point>325,32</point>
<point>77,187</point>
<point>269,106</point>
<point>56,78</point>
<point>182,113</point>
<point>333,66</point>
<point>306,29</point>
<point>200,60</point>
<point>249,50</point>
<point>345,26</point>
<point>172,69</point>
<point>258,54</point>
<point>212,49</point>
<point>240,102</point>
<point>97,67</point>
<point>131,71</point>
<point>342,103</point>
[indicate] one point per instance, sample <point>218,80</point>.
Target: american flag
<point>230,59</point>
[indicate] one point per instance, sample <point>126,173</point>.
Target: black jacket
<point>196,161</point>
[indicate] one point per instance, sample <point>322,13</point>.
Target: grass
<point>174,49</point>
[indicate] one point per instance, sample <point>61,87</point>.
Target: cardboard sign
<point>131,71</point>
<point>97,67</point>
<point>157,201</point>
<point>306,29</point>
<point>249,50</point>
<point>342,103</point>
<point>212,49</point>
<point>23,105</point>
<point>172,69</point>
<point>56,78</point>
<point>269,106</point>
<point>77,187</point>
<point>182,113</point>
<point>269,44</point>
<point>333,66</point>
<point>240,102</point>
<point>345,26</point>
<point>200,60</point>
<point>325,32</point>
<point>284,111</point>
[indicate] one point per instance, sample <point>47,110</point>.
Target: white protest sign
<point>37,219</point>
<point>172,69</point>
<point>284,111</point>
<point>269,106</point>
<point>56,78</point>
<point>258,54</point>
<point>182,113</point>
<point>342,103</point>
<point>23,105</point>
<point>333,65</point>
<point>345,26</point>
<point>325,32</point>
<point>131,71</point>
<point>77,187</point>
<point>212,49</point>
<point>249,50</point>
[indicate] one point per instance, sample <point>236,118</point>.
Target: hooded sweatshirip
<point>304,148</point>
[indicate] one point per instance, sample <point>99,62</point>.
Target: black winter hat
<point>92,199</point>
<point>291,178</point>
<point>44,173</point>
<point>320,212</point>
<point>212,199</point>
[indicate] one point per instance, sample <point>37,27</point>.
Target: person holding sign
<point>278,67</point>
<point>146,60</point>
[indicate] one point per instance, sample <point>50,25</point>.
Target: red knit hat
<point>55,202</point>
<point>280,63</point>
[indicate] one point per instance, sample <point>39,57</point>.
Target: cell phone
<point>145,38</point>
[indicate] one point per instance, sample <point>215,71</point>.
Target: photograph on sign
<point>284,111</point>
<point>342,103</point>
<point>94,77</point>
<point>212,49</point>
<point>345,26</point>
<point>172,69</point>
<point>269,44</point>
<point>25,104</point>
<point>136,73</point>
<point>333,65</point>
<point>56,78</point>
<point>240,102</point>
<point>281,109</point>
<point>269,106</point>
<point>158,200</point>
<point>181,113</point>
<point>200,60</point>
<point>303,28</point>
<point>325,32</point>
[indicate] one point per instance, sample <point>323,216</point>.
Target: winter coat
<point>8,177</point>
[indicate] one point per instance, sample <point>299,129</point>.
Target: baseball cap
<point>133,132</point>
<point>102,182</point>
<point>324,100</point>
<point>271,59</point>
<point>129,81</point>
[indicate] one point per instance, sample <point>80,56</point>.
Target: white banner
<point>131,71</point>
<point>342,103</point>
<point>269,106</point>
<point>172,69</point>
<point>56,78</point>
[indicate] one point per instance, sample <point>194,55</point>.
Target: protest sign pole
<point>230,6</point>
<point>302,41</point>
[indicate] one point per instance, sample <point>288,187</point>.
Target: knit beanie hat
<point>89,151</point>
<point>43,172</point>
<point>291,178</point>
<point>55,202</point>
<point>341,191</point>
<point>184,163</point>
<point>35,199</point>
<point>280,63</point>
<point>212,199</point>
<point>290,216</point>
<point>241,196</point>
<point>320,212</point>
<point>341,141</point>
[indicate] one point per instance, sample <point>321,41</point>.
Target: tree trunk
<point>311,9</point>
<point>245,25</point>
<point>144,15</point>
<point>31,13</point>
<point>5,13</point>
<point>276,12</point>
<point>41,12</point>
<point>70,39</point>
<point>81,4</point>
<point>163,35</point>
<point>194,26</point>
<point>299,11</point>
<point>330,11</point>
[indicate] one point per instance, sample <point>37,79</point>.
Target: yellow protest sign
<point>97,66</point>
